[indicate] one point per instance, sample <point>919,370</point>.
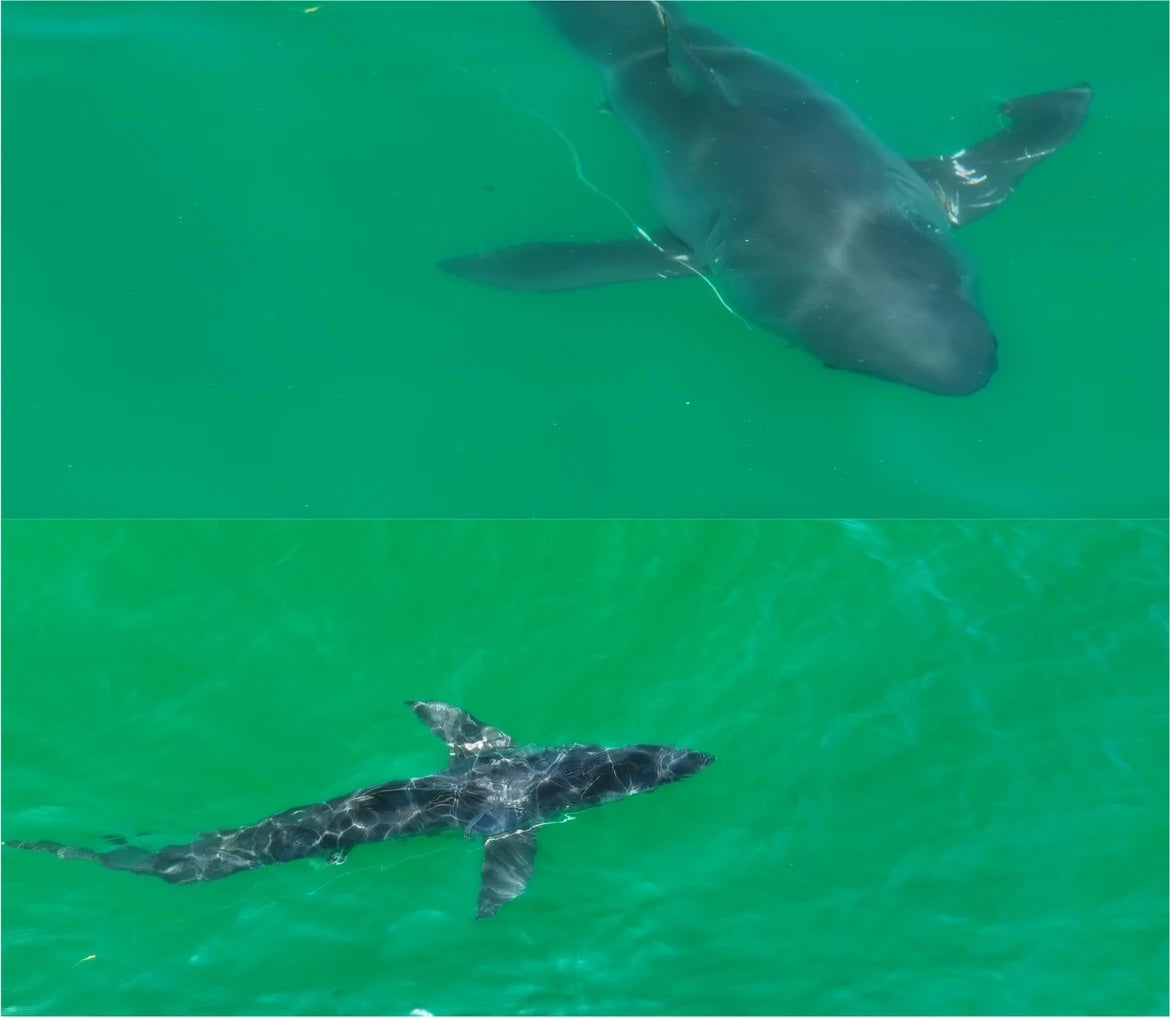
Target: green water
<point>222,223</point>
<point>942,755</point>
<point>940,786</point>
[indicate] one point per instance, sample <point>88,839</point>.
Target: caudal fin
<point>608,31</point>
<point>125,857</point>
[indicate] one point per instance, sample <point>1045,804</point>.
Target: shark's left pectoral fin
<point>507,865</point>
<point>975,180</point>
<point>549,268</point>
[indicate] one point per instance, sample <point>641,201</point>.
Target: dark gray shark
<point>490,789</point>
<point>804,222</point>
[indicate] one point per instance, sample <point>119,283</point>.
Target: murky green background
<point>940,786</point>
<point>222,221</point>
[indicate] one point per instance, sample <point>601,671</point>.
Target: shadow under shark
<point>490,789</point>
<point>804,222</point>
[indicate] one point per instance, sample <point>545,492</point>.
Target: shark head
<point>936,342</point>
<point>890,296</point>
<point>525,788</point>
<point>594,775</point>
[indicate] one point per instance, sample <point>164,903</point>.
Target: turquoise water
<point>222,223</point>
<point>942,755</point>
<point>940,785</point>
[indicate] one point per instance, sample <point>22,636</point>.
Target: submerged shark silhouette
<point>490,789</point>
<point>801,218</point>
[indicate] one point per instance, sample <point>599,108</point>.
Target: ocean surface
<point>222,223</point>
<point>940,787</point>
<point>942,755</point>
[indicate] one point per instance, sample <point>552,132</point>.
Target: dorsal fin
<point>464,735</point>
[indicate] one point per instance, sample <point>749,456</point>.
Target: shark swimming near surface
<point>800,218</point>
<point>491,788</point>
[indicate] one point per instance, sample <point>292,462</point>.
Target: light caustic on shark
<point>798,216</point>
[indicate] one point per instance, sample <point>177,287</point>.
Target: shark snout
<point>962,369</point>
<point>951,373</point>
<point>945,347</point>
<point>682,763</point>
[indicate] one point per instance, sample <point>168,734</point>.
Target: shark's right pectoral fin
<point>507,865</point>
<point>548,268</point>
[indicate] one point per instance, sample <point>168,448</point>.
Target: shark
<point>490,789</point>
<point>803,221</point>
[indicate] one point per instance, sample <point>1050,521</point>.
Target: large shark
<point>802,220</point>
<point>491,789</point>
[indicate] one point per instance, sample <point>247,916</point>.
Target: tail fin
<point>125,857</point>
<point>608,31</point>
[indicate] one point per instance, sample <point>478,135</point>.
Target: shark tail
<point>125,857</point>
<point>608,31</point>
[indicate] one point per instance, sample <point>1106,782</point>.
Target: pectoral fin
<point>507,865</point>
<point>548,268</point>
<point>977,179</point>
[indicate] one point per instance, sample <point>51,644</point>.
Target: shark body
<point>490,789</point>
<point>799,216</point>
